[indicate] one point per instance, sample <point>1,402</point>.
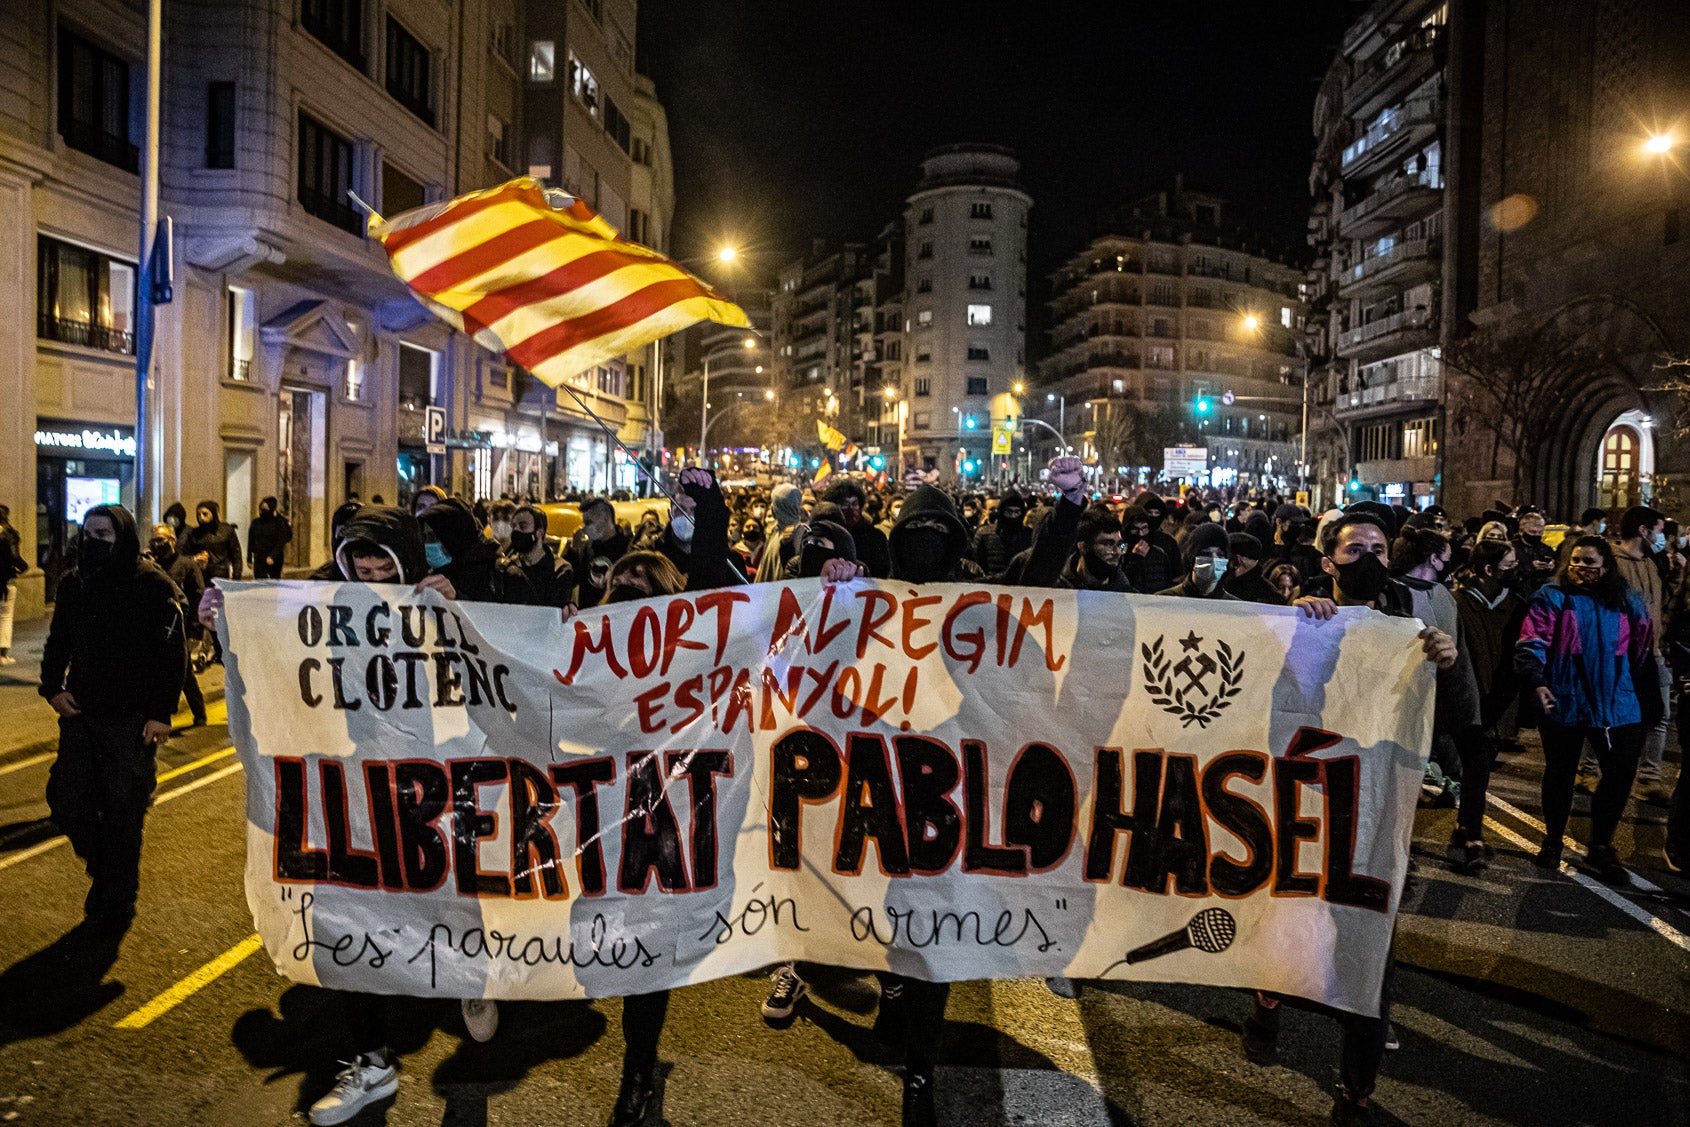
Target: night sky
<point>795,120</point>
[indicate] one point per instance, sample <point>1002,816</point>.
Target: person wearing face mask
<point>821,541</point>
<point>456,550</point>
<point>266,538</point>
<point>1642,538</point>
<point>528,571</point>
<point>1206,560</point>
<point>872,552</point>
<point>1537,559</point>
<point>1587,651</point>
<point>751,543</point>
<point>1006,537</point>
<point>112,668</point>
<point>1147,566</point>
<point>1244,577</point>
<point>929,539</point>
<point>499,515</point>
<point>189,580</point>
<point>1491,613</point>
<point>214,543</point>
<point>594,548</point>
<point>1357,561</point>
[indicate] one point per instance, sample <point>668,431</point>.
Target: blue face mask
<point>1660,542</point>
<point>438,556</point>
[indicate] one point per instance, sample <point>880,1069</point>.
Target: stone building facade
<point>291,362</point>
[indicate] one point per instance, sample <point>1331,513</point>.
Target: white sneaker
<point>785,988</point>
<point>481,1018</point>
<point>363,1083</point>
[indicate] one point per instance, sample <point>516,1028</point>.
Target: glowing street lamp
<point>1251,322</point>
<point>727,254</point>
<point>1659,144</point>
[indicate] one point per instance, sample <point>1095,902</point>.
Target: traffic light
<point>877,462</point>
<point>1202,405</point>
<point>970,422</point>
<point>968,466</point>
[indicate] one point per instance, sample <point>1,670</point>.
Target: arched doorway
<point>1625,462</point>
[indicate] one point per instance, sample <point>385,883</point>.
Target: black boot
<point>918,1101</point>
<point>1261,1035</point>
<point>637,1097</point>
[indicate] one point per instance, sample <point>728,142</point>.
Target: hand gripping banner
<point>464,800</point>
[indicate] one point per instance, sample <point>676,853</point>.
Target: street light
<point>1061,415</point>
<point>727,254</point>
<point>1660,144</point>
<point>1253,324</point>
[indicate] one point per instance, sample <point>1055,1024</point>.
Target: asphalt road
<point>1523,998</point>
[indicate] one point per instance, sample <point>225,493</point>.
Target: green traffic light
<point>1202,406</point>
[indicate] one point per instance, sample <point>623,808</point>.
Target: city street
<point>1523,998</point>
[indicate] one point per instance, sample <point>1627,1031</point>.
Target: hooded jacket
<point>844,545</point>
<point>1153,570</point>
<point>591,560</point>
<point>266,536</point>
<point>470,570</point>
<point>1589,655</point>
<point>393,530</point>
<point>117,641</point>
<point>1202,537</point>
<point>930,503</point>
<point>218,540</point>
<point>997,543</point>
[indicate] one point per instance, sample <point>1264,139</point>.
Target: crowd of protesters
<point>1583,642</point>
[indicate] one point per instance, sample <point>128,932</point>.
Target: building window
<point>498,143</point>
<point>354,381</point>
<point>980,315</point>
<point>923,419</point>
<point>399,193</point>
<point>542,60</point>
<point>924,318</point>
<point>220,125</point>
<point>639,226</point>
<point>416,377</point>
<point>923,356</point>
<point>499,376</point>
<point>502,42</point>
<point>925,250</point>
<point>976,385</point>
<point>926,216</point>
<point>980,211</point>
<point>94,102</point>
<point>979,246</point>
<point>894,350</point>
<point>1162,294</point>
<point>242,318</point>
<point>337,25</point>
<point>979,352</point>
<point>408,63</point>
<point>617,126</point>
<point>583,85</point>
<point>1159,356</point>
<point>325,175</point>
<point>979,281</point>
<point>84,297</point>
<point>923,386</point>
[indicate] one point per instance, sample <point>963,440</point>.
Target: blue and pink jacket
<point>1583,652</point>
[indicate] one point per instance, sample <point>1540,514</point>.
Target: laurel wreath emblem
<point>1159,679</point>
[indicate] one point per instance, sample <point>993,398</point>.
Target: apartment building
<point>290,362</point>
<point>1175,324</point>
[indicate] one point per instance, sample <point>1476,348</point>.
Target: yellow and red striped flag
<point>538,275</point>
<point>830,437</point>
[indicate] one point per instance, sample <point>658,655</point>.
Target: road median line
<point>190,985</point>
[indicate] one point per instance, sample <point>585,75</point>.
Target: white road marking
<point>190,985</point>
<point>1640,883</point>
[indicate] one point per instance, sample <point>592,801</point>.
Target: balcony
<point>1409,261</point>
<point>86,334</point>
<point>1398,68</point>
<point>1404,198</point>
<point>1412,328</point>
<point>1387,397</point>
<point>1396,128</point>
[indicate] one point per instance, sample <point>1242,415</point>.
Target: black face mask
<point>163,551</point>
<point>1362,580</point>
<point>1012,517</point>
<point>95,554</point>
<point>752,536</point>
<point>921,555</point>
<point>523,542</point>
<point>813,557</point>
<point>622,593</point>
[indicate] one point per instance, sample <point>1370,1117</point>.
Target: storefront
<point>78,465</point>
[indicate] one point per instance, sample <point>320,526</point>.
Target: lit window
<point>925,317</point>
<point>242,315</point>
<point>542,61</point>
<point>979,315</point>
<point>583,85</point>
<point>354,381</point>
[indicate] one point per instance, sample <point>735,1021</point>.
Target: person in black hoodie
<point>214,543</point>
<point>1005,538</point>
<point>1147,565</point>
<point>112,669</point>
<point>266,536</point>
<point>1156,510</point>
<point>455,549</point>
<point>870,542</point>
<point>1096,562</point>
<point>529,572</point>
<point>1206,560</point>
<point>189,580</point>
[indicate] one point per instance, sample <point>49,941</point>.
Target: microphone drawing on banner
<point>1212,931</point>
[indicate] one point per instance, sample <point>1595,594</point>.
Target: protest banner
<point>949,781</point>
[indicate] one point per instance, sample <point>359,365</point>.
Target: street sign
<point>1227,397</point>
<point>1185,461</point>
<point>1003,436</point>
<point>434,429</point>
<point>1303,498</point>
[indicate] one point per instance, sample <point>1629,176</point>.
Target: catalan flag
<point>538,275</point>
<point>831,438</point>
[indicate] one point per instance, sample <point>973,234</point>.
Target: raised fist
<point>1067,473</point>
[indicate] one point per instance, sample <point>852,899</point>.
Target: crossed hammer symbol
<point>1195,667</point>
